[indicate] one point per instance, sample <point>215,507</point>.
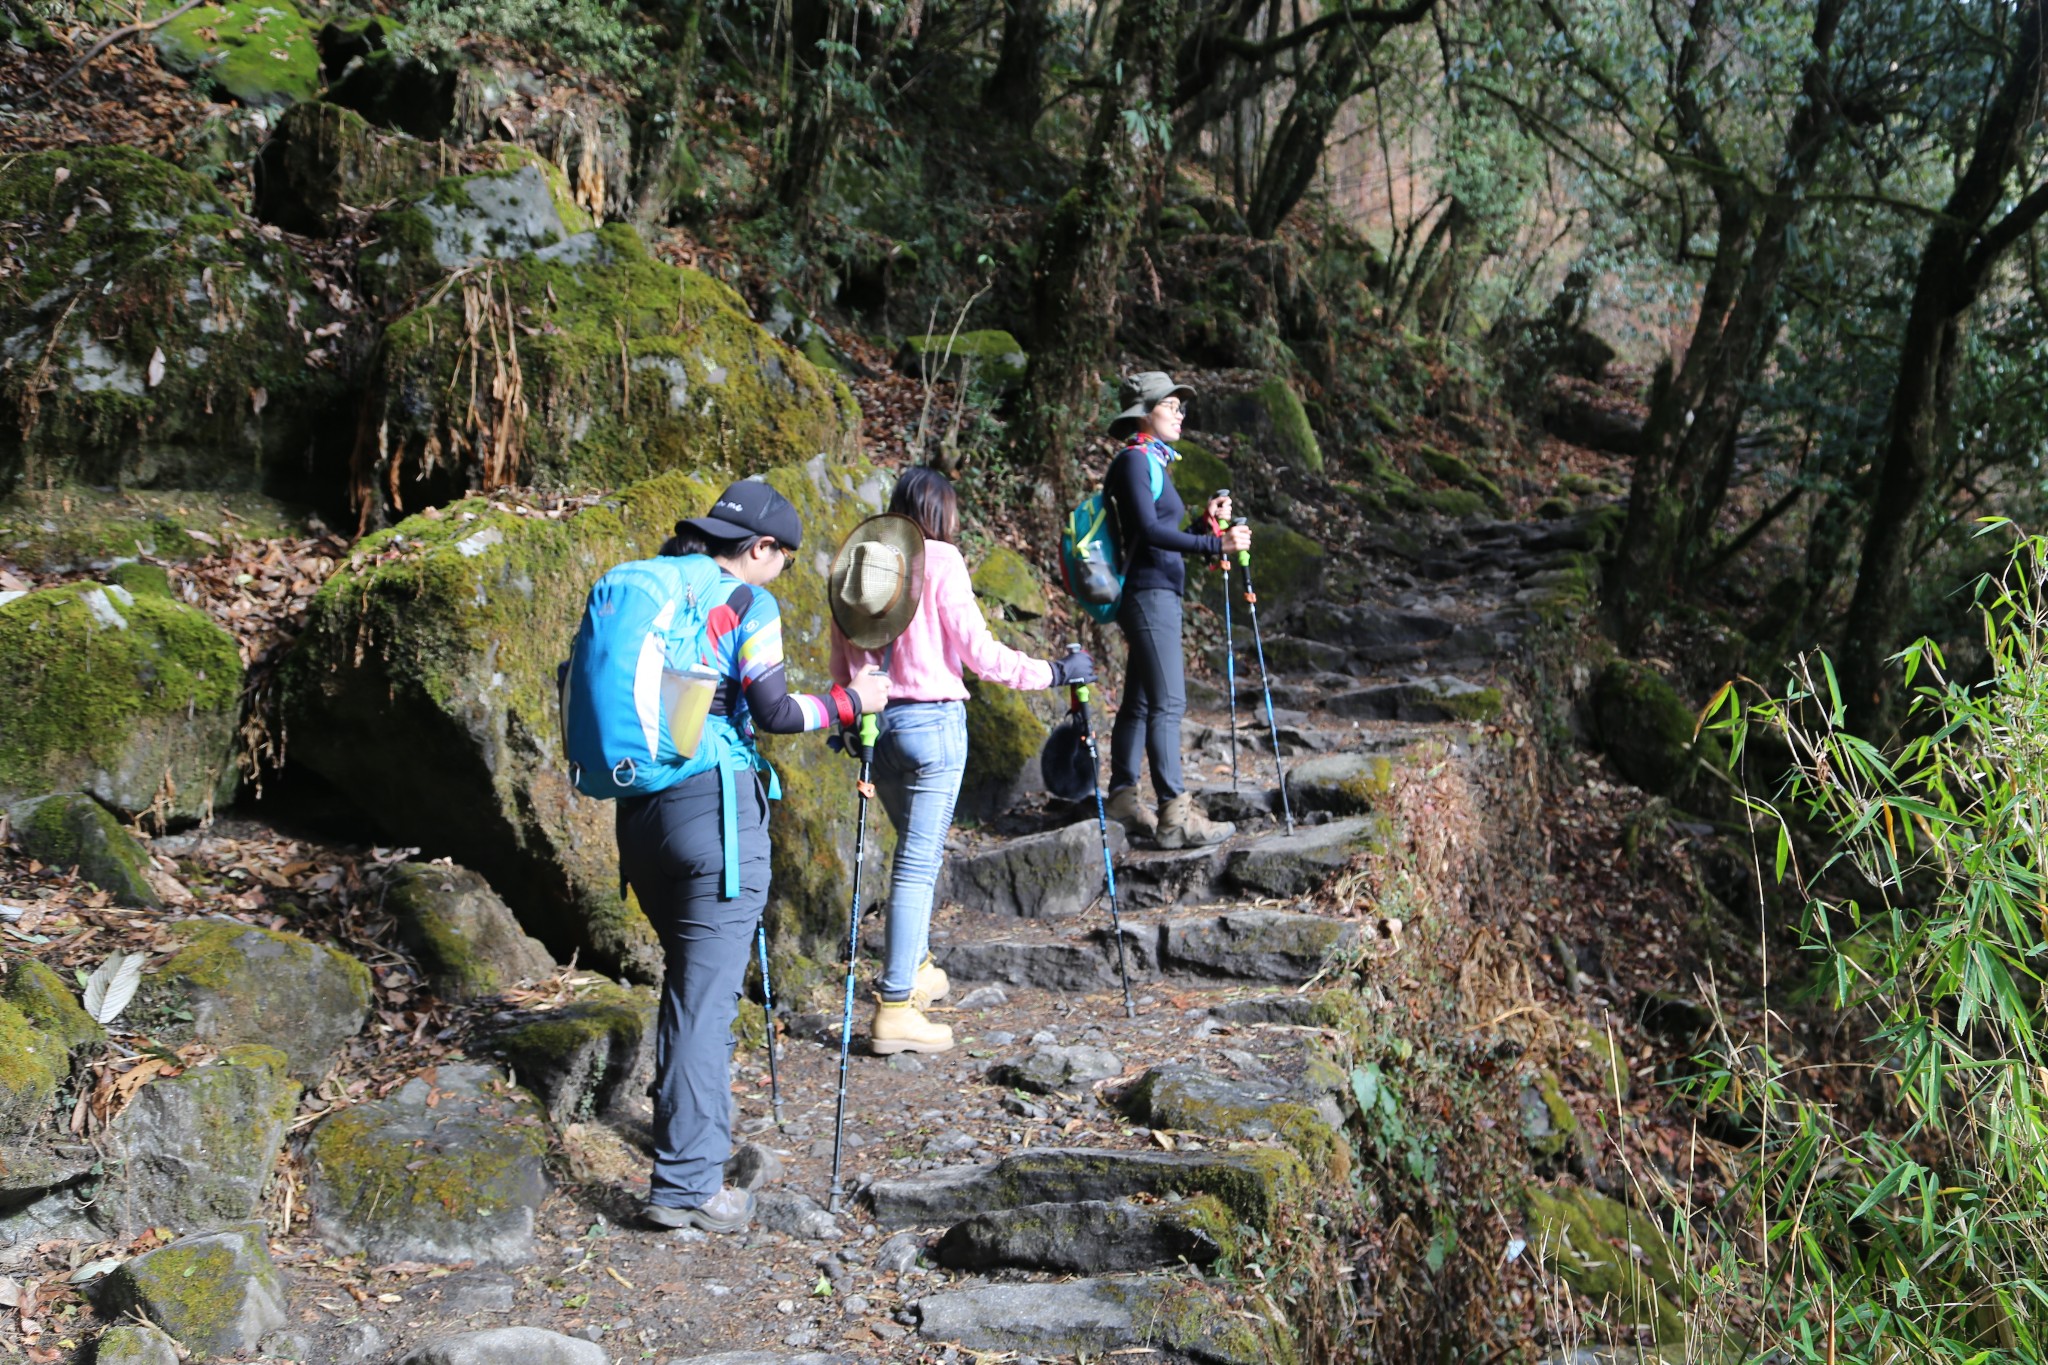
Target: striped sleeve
<point>746,633</point>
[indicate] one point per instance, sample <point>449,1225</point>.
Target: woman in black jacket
<point>1148,515</point>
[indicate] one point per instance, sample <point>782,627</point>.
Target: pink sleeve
<point>967,630</point>
<point>842,670</point>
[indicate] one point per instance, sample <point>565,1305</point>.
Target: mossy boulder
<point>587,1057</point>
<point>32,1064</point>
<point>989,357</point>
<point>1198,475</point>
<point>1616,1255</point>
<point>450,1167</point>
<point>50,1005</point>
<point>1641,723</point>
<point>195,1149</point>
<point>241,984</point>
<point>593,363</point>
<point>1007,578</point>
<point>1443,465</point>
<point>69,528</point>
<point>1286,570</point>
<point>259,52</point>
<point>1294,864</point>
<point>320,156</point>
<point>71,830</point>
<point>132,699</point>
<point>1004,736</point>
<point>1268,414</point>
<point>516,209</point>
<point>1343,784</point>
<point>1188,1099</point>
<point>134,1343</point>
<point>424,687</point>
<point>157,338</point>
<point>217,1293</point>
<point>460,932</point>
<point>1549,1126</point>
<point>1086,1238</point>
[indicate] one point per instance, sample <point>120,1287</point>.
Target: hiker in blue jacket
<point>699,863</point>
<point>1148,512</point>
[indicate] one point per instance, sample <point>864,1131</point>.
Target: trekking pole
<point>1229,646</point>
<point>1251,600</point>
<point>860,836</point>
<point>1077,702</point>
<point>768,1018</point>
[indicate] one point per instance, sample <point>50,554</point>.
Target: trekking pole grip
<point>1076,692</point>
<point>1243,556</point>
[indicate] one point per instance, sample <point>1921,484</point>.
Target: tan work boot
<point>900,1026</point>
<point>1182,825</point>
<point>1124,809</point>
<point>930,983</point>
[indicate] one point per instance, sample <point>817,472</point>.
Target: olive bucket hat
<point>1139,394</point>
<point>877,580</point>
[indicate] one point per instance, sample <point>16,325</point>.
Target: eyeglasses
<point>1171,406</point>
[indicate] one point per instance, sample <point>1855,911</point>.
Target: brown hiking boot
<point>1182,825</point>
<point>900,1026</point>
<point>1124,809</point>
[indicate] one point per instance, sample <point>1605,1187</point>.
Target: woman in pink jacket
<point>921,751</point>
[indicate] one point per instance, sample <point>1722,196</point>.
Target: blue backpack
<point>642,617</point>
<point>1091,560</point>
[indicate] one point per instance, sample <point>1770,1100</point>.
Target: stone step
<point>1421,700</point>
<point>1095,1316</point>
<point>1089,1237</point>
<point>1294,864</point>
<point>1247,1183</point>
<point>1239,945</point>
<point>1039,876</point>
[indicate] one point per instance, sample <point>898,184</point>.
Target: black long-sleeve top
<point>1148,528</point>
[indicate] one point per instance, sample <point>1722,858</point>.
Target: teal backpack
<point>1091,560</point>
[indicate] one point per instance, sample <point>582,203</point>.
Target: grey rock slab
<point>1365,625</point>
<point>1062,1175</point>
<point>1294,864</point>
<point>1296,1011</point>
<point>132,1343</point>
<point>286,1345</point>
<point>983,998</point>
<point>478,1293</point>
<point>795,1215</point>
<point>450,1167</point>
<point>1256,945</point>
<point>1046,1069</point>
<point>899,1254</point>
<point>507,1346</point>
<point>242,984</point>
<point>1184,1098</point>
<point>1053,966</point>
<point>1087,1238</point>
<point>216,1293</point>
<point>193,1151</point>
<point>1418,700</point>
<point>460,932</point>
<point>1343,784</point>
<point>751,1166</point>
<point>1092,1316</point>
<point>1040,876</point>
<point>73,830</point>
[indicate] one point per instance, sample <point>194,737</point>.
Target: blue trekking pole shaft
<point>768,1019</point>
<point>1077,701</point>
<point>1251,600</point>
<point>860,838</point>
<point>1229,647</point>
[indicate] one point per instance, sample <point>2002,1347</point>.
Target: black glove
<point>1073,668</point>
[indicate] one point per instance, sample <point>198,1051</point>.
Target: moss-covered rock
<point>217,1292</point>
<point>1187,1099</point>
<point>1004,736</point>
<point>424,687</point>
<point>133,699</point>
<point>1198,475</point>
<point>234,983</point>
<point>195,1149</point>
<point>460,932</point>
<point>1006,577</point>
<point>1615,1255</point>
<point>156,337</point>
<point>1343,784</point>
<point>143,580</point>
<point>593,363</point>
<point>321,156</point>
<point>31,1065</point>
<point>259,52</point>
<point>1286,570</point>
<point>50,1005</point>
<point>134,1343</point>
<point>1549,1126</point>
<point>73,831</point>
<point>68,528</point>
<point>1450,469</point>
<point>1269,414</point>
<point>449,1168</point>
<point>991,357</point>
<point>1641,723</point>
<point>587,1056</point>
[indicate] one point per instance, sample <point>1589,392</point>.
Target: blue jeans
<point>1155,693</point>
<point>920,757</point>
<point>672,853</point>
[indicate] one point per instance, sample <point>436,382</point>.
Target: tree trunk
<point>1959,256</point>
<point>811,125</point>
<point>1081,248</point>
<point>1289,165</point>
<point>1015,91</point>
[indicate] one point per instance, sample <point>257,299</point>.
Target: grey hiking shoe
<point>730,1210</point>
<point>1123,808</point>
<point>1182,825</point>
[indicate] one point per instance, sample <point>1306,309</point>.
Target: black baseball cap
<point>750,508</point>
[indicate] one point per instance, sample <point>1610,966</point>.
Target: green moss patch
<point>991,357</point>
<point>1004,736</point>
<point>241,984</point>
<point>1198,475</point>
<point>133,699</point>
<point>1643,725</point>
<point>1450,469</point>
<point>1615,1255</point>
<point>583,1057</point>
<point>74,831</point>
<point>31,1065</point>
<point>70,527</point>
<point>1007,578</point>
<point>259,52</point>
<point>156,337</point>
<point>50,1005</point>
